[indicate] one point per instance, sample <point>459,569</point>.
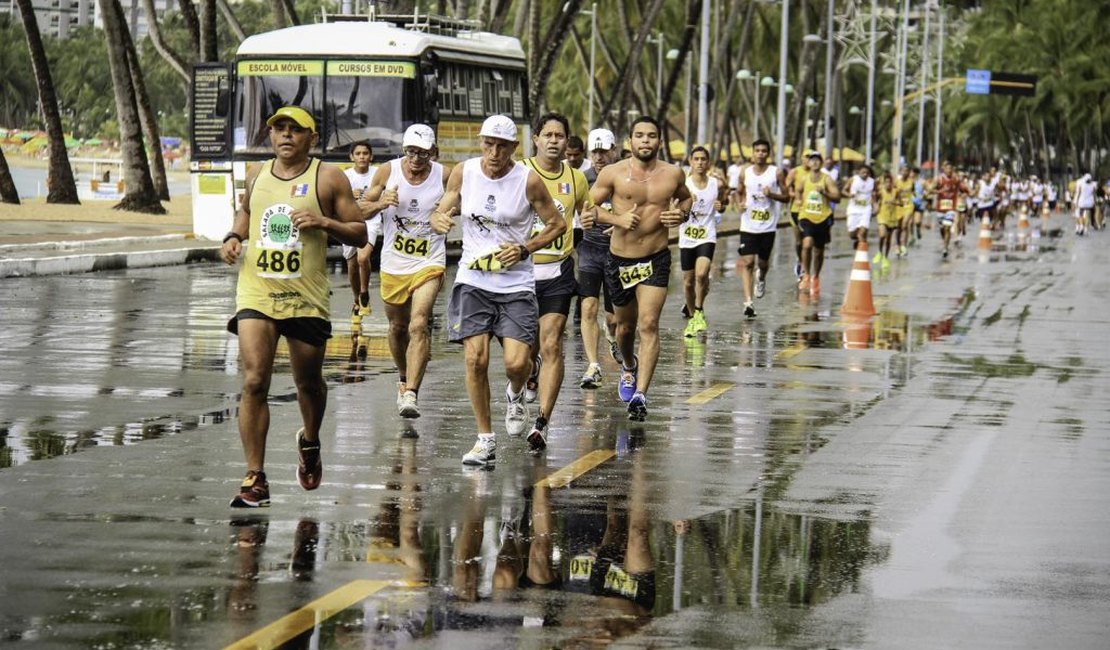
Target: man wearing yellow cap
<point>293,202</point>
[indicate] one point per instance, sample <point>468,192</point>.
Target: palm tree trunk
<point>148,121</point>
<point>693,10</point>
<point>140,196</point>
<point>61,187</point>
<point>209,49</point>
<point>277,9</point>
<point>232,21</point>
<point>192,24</point>
<point>549,52</point>
<point>619,98</point>
<point>291,11</point>
<point>8,192</point>
<point>177,64</point>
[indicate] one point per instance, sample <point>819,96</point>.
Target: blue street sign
<point>978,82</point>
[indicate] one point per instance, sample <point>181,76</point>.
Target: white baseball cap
<point>420,136</point>
<point>601,139</point>
<point>499,126</point>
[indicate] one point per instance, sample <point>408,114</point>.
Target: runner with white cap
<point>495,289</point>
<point>405,192</point>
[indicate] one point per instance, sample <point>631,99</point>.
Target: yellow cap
<point>295,113</point>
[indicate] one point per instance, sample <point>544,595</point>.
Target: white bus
<point>362,78</point>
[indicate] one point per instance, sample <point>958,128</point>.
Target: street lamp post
<point>856,110</point>
<point>658,41</point>
<point>780,125</point>
<point>940,100</point>
<point>760,82</point>
<point>703,75</point>
<point>924,84</point>
<point>829,79</point>
<point>592,13</point>
<point>871,81</point>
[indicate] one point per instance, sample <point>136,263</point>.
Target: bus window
<point>371,100</point>
<point>262,87</point>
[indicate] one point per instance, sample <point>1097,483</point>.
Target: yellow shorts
<point>398,289</point>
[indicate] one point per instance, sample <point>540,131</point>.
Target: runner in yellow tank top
<point>554,267</point>
<point>292,204</point>
<point>815,220</point>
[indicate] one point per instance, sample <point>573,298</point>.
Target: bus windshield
<point>353,101</point>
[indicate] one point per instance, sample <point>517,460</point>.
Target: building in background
<point>58,18</point>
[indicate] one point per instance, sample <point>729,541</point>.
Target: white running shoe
<point>516,413</point>
<point>484,451</point>
<point>592,377</point>
<point>406,405</point>
<point>760,285</point>
<point>537,439</point>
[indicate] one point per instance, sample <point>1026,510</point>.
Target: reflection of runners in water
<point>554,266</point>
<point>358,257</point>
<point>593,252</point>
<point>406,191</point>
<point>649,197</point>
<point>292,204</point>
<point>762,190</point>
<point>697,238</point>
<point>495,289</point>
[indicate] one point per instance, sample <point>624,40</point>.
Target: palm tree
<point>146,115</point>
<point>8,193</point>
<point>61,187</point>
<point>140,196</point>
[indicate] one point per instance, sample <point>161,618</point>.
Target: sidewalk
<point>40,247</point>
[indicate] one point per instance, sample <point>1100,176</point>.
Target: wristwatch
<point>524,252</point>
<point>233,235</point>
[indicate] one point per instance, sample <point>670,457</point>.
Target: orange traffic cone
<point>857,301</point>
<point>985,234</point>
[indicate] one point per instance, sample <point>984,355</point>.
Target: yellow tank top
<point>284,270</point>
<point>905,192</point>
<point>815,206</point>
<point>567,188</point>
<point>887,203</point>
<point>799,181</point>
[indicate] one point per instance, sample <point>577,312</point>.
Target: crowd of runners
<point>579,223</point>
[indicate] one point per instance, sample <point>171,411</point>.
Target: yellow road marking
<point>716,390</point>
<point>792,351</point>
<point>563,477</point>
<point>312,614</point>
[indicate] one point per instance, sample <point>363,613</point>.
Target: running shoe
<point>615,351</point>
<point>878,259</point>
<point>484,451</point>
<point>537,439</point>
<point>944,255</point>
<point>798,270</point>
<point>592,377</point>
<point>685,311</point>
<point>626,388</point>
<point>516,413</point>
<point>400,393</point>
<point>254,491</point>
<point>310,467</point>
<point>760,285</point>
<point>364,307</point>
<point>407,406</point>
<point>637,407</point>
<point>749,310</point>
<point>691,328</point>
<point>902,251</point>
<point>532,386</point>
<point>886,263</point>
<point>699,321</point>
<point>803,283</point>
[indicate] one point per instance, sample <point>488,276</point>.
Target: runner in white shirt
<point>861,203</point>
<point>1085,189</point>
<point>358,259</point>
<point>762,189</point>
<point>733,173</point>
<point>697,238</point>
<point>495,289</point>
<point>406,191</point>
<point>1036,195</point>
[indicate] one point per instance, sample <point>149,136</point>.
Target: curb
<point>105,261</point>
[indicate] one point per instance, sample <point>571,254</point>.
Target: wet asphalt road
<point>945,486</point>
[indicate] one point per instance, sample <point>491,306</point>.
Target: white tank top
<point>986,193</point>
<point>1037,190</point>
<point>408,242</point>
<point>360,182</point>
<point>761,214</point>
<point>701,227</point>
<point>1085,194</point>
<point>859,196</point>
<point>494,212</point>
